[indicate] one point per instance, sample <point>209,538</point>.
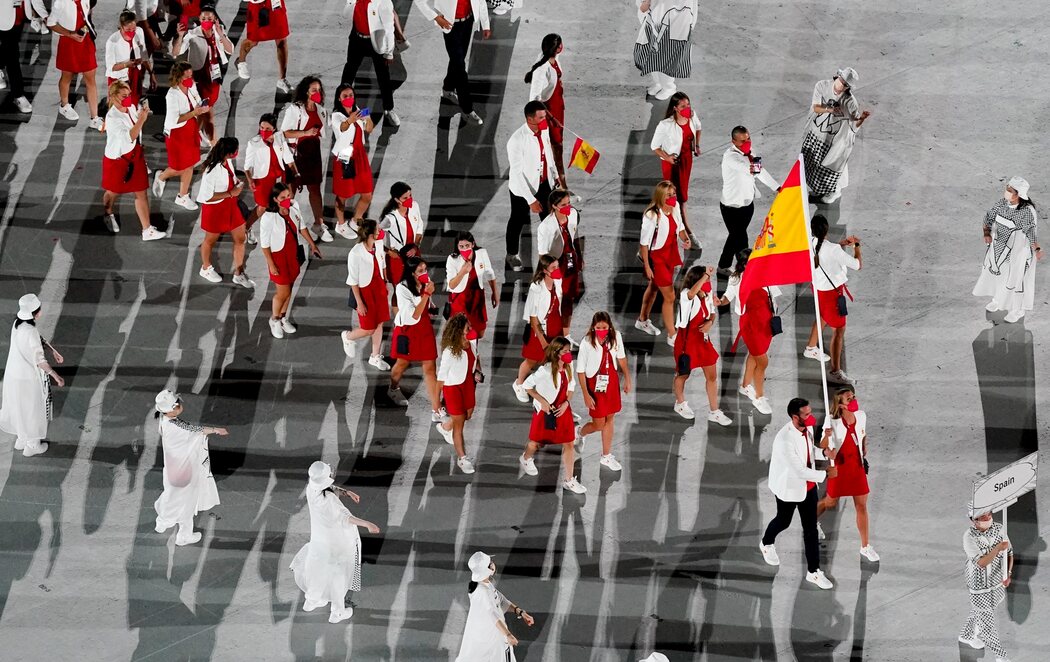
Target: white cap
<point>321,475</point>
<point>479,566</point>
<point>848,75</point>
<point>1019,184</point>
<point>656,657</point>
<point>28,305</point>
<point>165,401</point>
<point>974,514</point>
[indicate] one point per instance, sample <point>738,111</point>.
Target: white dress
<point>1008,269</point>
<point>26,405</point>
<point>330,564</point>
<point>482,639</point>
<point>189,487</point>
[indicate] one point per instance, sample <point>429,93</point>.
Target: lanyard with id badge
<point>214,69</point>
<point>601,380</point>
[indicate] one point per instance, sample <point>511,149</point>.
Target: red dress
<point>285,259</point>
<point>569,263</point>
<point>264,185</point>
<point>209,87</point>
<point>77,57</point>
<point>422,346</point>
<point>663,260</point>
<point>362,181</point>
<point>276,29</point>
<point>565,433</point>
<point>115,170</point>
<point>679,172</point>
<point>851,480</point>
<point>395,266</point>
<point>460,398</point>
<point>224,215</point>
<point>754,323</point>
<point>693,342</point>
<point>532,350</point>
<point>184,143</point>
<point>829,307</point>
<point>556,109</point>
<point>308,153</point>
<point>471,302</point>
<point>607,402</point>
<point>374,297</point>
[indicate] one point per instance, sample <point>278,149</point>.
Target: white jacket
<point>545,81</point>
<point>452,370</point>
<point>838,431</point>
<point>396,229</point>
<point>294,118</point>
<point>431,9</point>
<point>380,24</point>
<point>656,222</point>
<point>548,232</point>
<point>688,309</point>
<point>589,357</point>
<point>668,134</point>
<point>7,14</point>
<point>482,266</point>
<point>257,155</point>
<point>198,57</point>
<point>526,169</point>
<point>119,50</point>
<point>541,381</point>
<point>178,103</point>
<point>273,229</point>
<point>64,13</point>
<point>343,146</point>
<point>359,264</point>
<point>406,306</point>
<point>216,180</point>
<point>118,131</point>
<point>788,469</point>
<point>538,302</point>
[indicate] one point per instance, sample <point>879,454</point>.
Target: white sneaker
<point>574,486</point>
<point>38,450</point>
<point>348,345</point>
<point>152,234</point>
<point>718,416</point>
<point>95,123</point>
<point>832,197</point>
<point>186,202</point>
<point>819,579</point>
<point>275,328</point>
<point>665,92</point>
<point>528,465</point>
<point>519,392</point>
<point>396,395</point>
<point>1013,317</point>
<point>243,281</point>
<point>820,532</point>
<point>762,405</point>
<point>445,434</point>
<point>343,230</point>
<point>840,377</point>
<point>646,326</point>
<point>66,111</point>
<point>23,105</point>
<point>992,307</point>
<point>242,70</point>
<point>748,391</point>
<point>377,362</point>
<point>581,441</point>
<point>194,537</point>
<point>974,643</point>
<point>474,118</point>
<point>769,554</point>
<point>341,615</point>
<point>450,95</point>
<point>251,236</point>
<point>391,118</point>
<point>320,232</point>
<point>465,465</point>
<point>438,416</point>
<point>287,325</point>
<point>815,354</point>
<point>683,410</point>
<point>670,339</point>
<point>610,462</point>
<point>284,86</point>
<point>210,274</point>
<point>158,185</point>
<point>869,553</point>
<point>112,224</point>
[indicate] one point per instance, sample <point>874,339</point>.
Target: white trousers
<point>662,80</point>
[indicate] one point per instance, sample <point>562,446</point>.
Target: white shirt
<point>538,302</point>
<point>406,306</point>
<point>679,15</point>
<point>541,381</point>
<point>526,167</point>
<point>360,264</point>
<point>482,266</point>
<point>295,117</point>
<point>838,430</point>
<point>177,102</point>
<point>380,24</point>
<point>834,260</point>
<point>343,147</point>
<point>788,469</point>
<point>544,81</point>
<point>64,13</point>
<point>257,155</point>
<point>452,370</point>
<point>396,227</point>
<point>273,228</point>
<point>689,309</point>
<point>431,9</point>
<point>738,184</point>
<point>118,131</point>
<point>216,180</point>
<point>549,236</point>
<point>655,224</point>
<point>668,134</point>
<point>589,358</point>
<point>120,50</point>
<point>733,294</point>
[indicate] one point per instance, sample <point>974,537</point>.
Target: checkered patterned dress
<point>821,129</point>
<point>986,587</point>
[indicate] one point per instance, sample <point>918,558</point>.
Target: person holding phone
<point>404,226</point>
<point>468,270</point>
<point>269,160</point>
<point>459,373</point>
<point>550,387</point>
<point>373,26</point>
<point>71,21</point>
<point>412,340</point>
<point>366,276</point>
<point>353,170</point>
<point>280,227</point>
<point>207,48</point>
<point>662,231</point>
<point>267,21</point>
<point>692,344</point>
<point>741,171</point>
<point>303,124</point>
<point>542,320</point>
<point>600,352</point>
<point>220,214</point>
<point>127,58</point>
<point>830,263</point>
<point>182,138</point>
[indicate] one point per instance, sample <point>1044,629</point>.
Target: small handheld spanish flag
<point>584,156</point>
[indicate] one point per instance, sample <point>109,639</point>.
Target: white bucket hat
<point>479,566</point>
<point>974,514</point>
<point>27,305</point>
<point>321,475</point>
<point>165,401</point>
<point>1019,184</point>
<point>656,657</point>
<point>848,75</point>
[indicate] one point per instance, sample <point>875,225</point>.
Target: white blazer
<point>656,223</point>
<point>216,180</point>
<point>482,266</point>
<point>257,154</point>
<point>177,104</point>
<point>452,370</point>
<point>668,134</point>
<point>431,9</point>
<point>548,231</point>
<point>406,306</point>
<point>380,24</point>
<point>7,14</point>
<point>119,50</point>
<point>273,229</point>
<point>343,147</point>
<point>541,381</point>
<point>538,302</point>
<point>788,469</point>
<point>526,169</point>
<point>396,227</point>
<point>360,263</point>
<point>294,118</point>
<point>838,430</point>
<point>118,131</point>
<point>64,13</point>
<point>545,81</point>
<point>689,309</point>
<point>589,357</point>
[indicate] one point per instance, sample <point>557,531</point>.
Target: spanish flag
<point>584,156</point>
<point>781,254</point>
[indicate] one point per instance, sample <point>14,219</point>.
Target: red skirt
<point>459,399</point>
<point>679,173</point>
<point>395,269</point>
<point>76,57</point>
<point>374,296</point>
<point>663,270</point>
<point>208,88</point>
<point>754,327</point>
<point>471,302</point>
<point>184,145</point>
<point>829,308</point>
<point>115,170</point>
<point>851,481</point>
<point>286,262</point>
<point>362,181</point>
<point>606,403</point>
<point>565,433</point>
<point>221,217</point>
<point>702,353</point>
<point>556,109</point>
<point>532,350</point>
<point>276,29</point>
<point>422,346</point>
<point>570,289</point>
<point>264,186</point>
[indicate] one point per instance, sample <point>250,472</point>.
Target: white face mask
<point>983,525</point>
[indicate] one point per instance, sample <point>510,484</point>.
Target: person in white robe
<point>26,406</point>
<point>486,637</point>
<point>1008,269</point>
<point>329,566</point>
<point>189,487</point>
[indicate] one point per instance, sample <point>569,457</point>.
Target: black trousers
<point>807,512</point>
<point>11,60</point>
<point>519,216</point>
<point>736,219</point>
<point>457,43</point>
<point>357,49</point>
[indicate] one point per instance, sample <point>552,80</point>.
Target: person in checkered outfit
<point>989,568</point>
<point>834,119</point>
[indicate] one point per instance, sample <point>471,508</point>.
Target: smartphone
<point>205,102</point>
<point>365,112</point>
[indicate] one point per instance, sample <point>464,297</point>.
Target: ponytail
<point>549,47</point>
<point>819,227</point>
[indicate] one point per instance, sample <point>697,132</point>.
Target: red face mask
<point>233,157</point>
<point>128,34</point>
<point>566,210</point>
<point>556,274</point>
<point>207,25</point>
<point>127,102</point>
<point>472,335</point>
<point>407,202</point>
<point>566,357</point>
<point>380,234</point>
<point>315,97</point>
<point>809,421</point>
<point>467,253</point>
<point>671,200</point>
<point>187,83</point>
<point>423,278</point>
<point>686,112</point>
<point>745,147</point>
<point>542,125</point>
<point>601,334</point>
<point>266,134</point>
<point>706,287</point>
<point>853,406</point>
<point>348,102</point>
<point>285,204</point>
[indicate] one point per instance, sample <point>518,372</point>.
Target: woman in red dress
<point>459,373</point>
<point>303,125</point>
<point>279,230</point>
<point>71,21</point>
<point>127,58</point>
<point>352,169</point>
<point>181,134</point>
<point>677,142</point>
<point>692,346</point>
<point>267,21</point>
<point>468,269</point>
<point>542,319</point>
<point>413,338</point>
<point>550,387</point>
<point>267,161</point>
<point>206,47</point>
<point>404,226</point>
<point>544,79</point>
<point>849,436</point>
<point>366,276</point>
<point>600,352</point>
<point>220,214</point>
